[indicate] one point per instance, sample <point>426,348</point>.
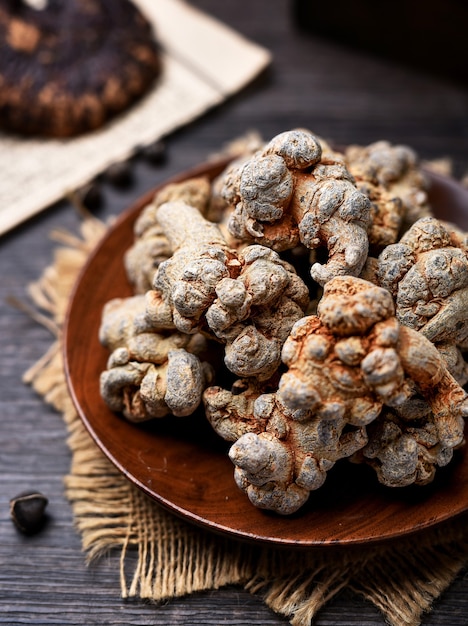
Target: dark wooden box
<point>430,35</point>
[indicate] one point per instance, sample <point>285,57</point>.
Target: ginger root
<point>345,366</point>
<point>149,374</point>
<point>292,192</point>
<point>367,366</point>
<point>427,273</point>
<point>404,453</point>
<point>151,246</point>
<point>396,169</point>
<point>278,458</point>
<point>248,300</point>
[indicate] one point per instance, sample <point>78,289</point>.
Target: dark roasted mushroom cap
<point>69,67</point>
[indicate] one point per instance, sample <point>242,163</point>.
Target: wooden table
<point>344,95</point>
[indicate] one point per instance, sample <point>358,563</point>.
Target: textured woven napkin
<point>38,172</point>
<point>176,558</point>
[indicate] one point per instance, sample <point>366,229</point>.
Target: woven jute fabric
<point>175,558</point>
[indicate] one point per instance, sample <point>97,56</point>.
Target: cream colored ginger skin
<point>345,366</point>
<point>404,452</point>
<point>292,192</point>
<point>247,300</point>
<point>396,170</point>
<point>151,247</point>
<point>427,274</point>
<point>356,340</point>
<point>149,374</point>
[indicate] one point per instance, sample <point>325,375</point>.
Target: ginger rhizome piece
<point>149,374</point>
<point>292,192</point>
<point>356,342</point>
<point>371,371</point>
<point>427,274</point>
<point>396,170</point>
<point>248,300</point>
<point>386,209</point>
<point>151,246</point>
<point>404,452</point>
<point>278,458</point>
<point>344,366</point>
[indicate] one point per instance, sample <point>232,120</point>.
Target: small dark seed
<point>155,152</point>
<point>119,174</point>
<point>27,510</point>
<point>90,196</point>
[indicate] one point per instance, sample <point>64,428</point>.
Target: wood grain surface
<point>339,94</point>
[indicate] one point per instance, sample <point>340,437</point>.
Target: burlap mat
<point>176,558</point>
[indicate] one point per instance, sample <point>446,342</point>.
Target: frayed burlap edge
<point>176,558</point>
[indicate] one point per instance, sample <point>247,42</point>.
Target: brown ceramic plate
<point>182,464</point>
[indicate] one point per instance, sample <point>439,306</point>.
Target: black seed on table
<point>119,174</point>
<point>155,153</point>
<point>27,511</point>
